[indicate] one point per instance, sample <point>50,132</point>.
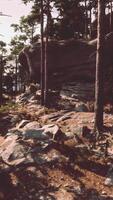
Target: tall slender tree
<point>46,54</point>
<point>1,77</point>
<point>99,67</point>
<point>42,52</point>
<point>111,15</point>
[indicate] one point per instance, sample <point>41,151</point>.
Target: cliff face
<point>67,60</point>
<point>62,56</point>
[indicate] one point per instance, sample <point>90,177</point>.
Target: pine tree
<point>99,87</point>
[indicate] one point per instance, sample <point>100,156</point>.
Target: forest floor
<point>80,175</point>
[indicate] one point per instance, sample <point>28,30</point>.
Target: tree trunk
<point>99,67</point>
<point>90,27</point>
<point>111,15</point>
<point>1,75</point>
<point>86,16</point>
<point>46,57</point>
<point>16,84</point>
<point>42,53</point>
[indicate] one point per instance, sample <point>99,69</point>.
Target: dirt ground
<point>79,175</point>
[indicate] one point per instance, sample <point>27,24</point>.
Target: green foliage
<point>3,49</point>
<point>69,22</point>
<point>17,44</point>
<point>7,107</point>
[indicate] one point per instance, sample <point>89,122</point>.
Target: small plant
<point>7,107</point>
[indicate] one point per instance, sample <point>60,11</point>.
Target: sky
<point>16,9</point>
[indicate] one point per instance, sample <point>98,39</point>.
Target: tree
<point>69,22</point>
<point>42,53</point>
<point>46,55</point>
<point>17,43</point>
<point>26,27</point>
<point>1,77</point>
<point>2,62</point>
<point>3,49</point>
<point>99,67</point>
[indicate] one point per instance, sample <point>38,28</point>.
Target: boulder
<point>22,123</point>
<point>109,177</point>
<point>14,153</point>
<point>81,108</point>
<point>31,125</point>
<point>47,132</point>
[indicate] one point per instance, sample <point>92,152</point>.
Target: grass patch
<point>7,107</point>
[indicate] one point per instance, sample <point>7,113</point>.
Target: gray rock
<point>22,123</point>
<point>81,108</point>
<point>15,119</point>
<point>77,190</point>
<point>35,134</point>
<point>51,130</point>
<point>14,153</point>
<point>47,132</point>
<point>31,126</point>
<point>25,97</point>
<point>109,181</point>
<point>33,88</point>
<point>55,157</point>
<point>66,116</point>
<point>109,177</point>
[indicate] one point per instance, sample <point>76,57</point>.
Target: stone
<point>77,190</point>
<point>66,116</point>
<point>31,126</point>
<point>81,108</point>
<point>22,123</point>
<point>52,157</point>
<point>109,181</point>
<point>14,153</point>
<point>35,134</point>
<point>15,119</point>
<point>51,130</point>
<point>47,132</point>
<point>109,177</point>
<point>55,133</point>
<point>33,88</point>
<point>24,98</point>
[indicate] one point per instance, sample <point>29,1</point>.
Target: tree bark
<point>42,53</point>
<point>90,27</point>
<point>1,75</point>
<point>16,81</point>
<point>46,57</point>
<point>86,16</point>
<point>111,15</point>
<point>99,104</point>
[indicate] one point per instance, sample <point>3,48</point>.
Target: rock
<point>35,134</point>
<point>66,116</point>
<point>32,126</point>
<point>55,133</point>
<point>52,157</point>
<point>33,88</point>
<point>109,179</point>
<point>47,132</point>
<point>51,130</point>
<point>15,119</point>
<point>81,108</point>
<point>77,190</point>
<point>23,98</point>
<point>14,153</point>
<point>69,135</point>
<point>104,192</point>
<point>82,132</point>
<point>22,123</point>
